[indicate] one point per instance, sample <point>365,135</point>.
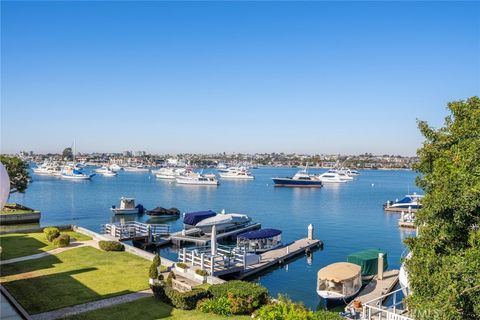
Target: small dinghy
<point>162,212</point>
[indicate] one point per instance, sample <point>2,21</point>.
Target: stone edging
<point>15,304</point>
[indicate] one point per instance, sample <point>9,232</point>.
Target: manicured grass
<point>147,309</point>
<point>73,277</point>
<point>16,245</point>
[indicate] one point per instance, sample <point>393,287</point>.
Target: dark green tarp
<point>368,260</point>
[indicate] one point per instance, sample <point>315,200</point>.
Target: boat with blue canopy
<point>192,218</point>
<point>258,241</point>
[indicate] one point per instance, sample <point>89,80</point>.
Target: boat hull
<point>124,211</point>
<point>76,177</point>
<point>196,182</point>
<point>286,182</point>
<point>332,299</point>
<point>224,176</point>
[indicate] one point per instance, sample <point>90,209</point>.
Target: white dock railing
<point>375,310</point>
<point>201,257</point>
<point>133,229</point>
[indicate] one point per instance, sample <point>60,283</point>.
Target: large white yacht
<point>138,168</point>
<point>341,174</point>
<point>106,171</point>
<point>194,178</point>
<point>329,177</point>
<point>47,169</point>
<point>223,221</point>
<point>72,172</point>
<point>236,173</point>
<point>169,173</point>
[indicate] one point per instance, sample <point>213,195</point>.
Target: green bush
<point>181,265</point>
<point>185,300</point>
<point>159,292</point>
<point>244,297</point>
<point>51,233</point>
<point>111,245</point>
<point>170,276</point>
<point>286,309</point>
<point>201,272</point>
<point>62,240</point>
<point>153,271</point>
<point>219,306</point>
<point>157,260</point>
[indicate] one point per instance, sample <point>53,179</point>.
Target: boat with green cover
<point>368,261</point>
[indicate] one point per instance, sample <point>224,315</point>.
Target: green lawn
<point>147,309</point>
<point>16,245</point>
<point>73,277</point>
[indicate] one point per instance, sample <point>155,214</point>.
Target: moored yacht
<point>259,241</point>
<point>329,177</point>
<point>127,206</point>
<point>47,169</point>
<point>341,174</point>
<point>339,282</point>
<point>75,173</point>
<point>169,173</point>
<point>412,201</point>
<point>106,171</point>
<point>138,168</point>
<point>194,178</point>
<point>300,179</point>
<point>115,167</point>
<point>236,173</point>
<point>223,221</point>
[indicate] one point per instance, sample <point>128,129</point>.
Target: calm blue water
<point>347,217</point>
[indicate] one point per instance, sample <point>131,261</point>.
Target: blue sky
<point>168,77</point>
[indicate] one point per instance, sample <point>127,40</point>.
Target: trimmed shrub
<point>159,293</point>
<point>170,276</point>
<point>244,297</point>
<point>157,260</point>
<point>181,265</point>
<point>185,300</point>
<point>153,271</point>
<point>201,272</point>
<point>219,306</point>
<point>111,245</point>
<point>62,240</point>
<point>51,233</point>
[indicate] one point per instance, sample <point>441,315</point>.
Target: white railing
<point>134,229</point>
<point>201,257</point>
<point>374,309</point>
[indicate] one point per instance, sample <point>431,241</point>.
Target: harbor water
<point>347,217</point>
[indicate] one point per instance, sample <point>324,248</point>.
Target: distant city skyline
<point>247,77</point>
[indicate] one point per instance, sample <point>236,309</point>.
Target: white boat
<point>115,167</point>
<point>412,201</point>
<point>223,222</point>
<point>193,178</point>
<point>72,172</point>
<point>403,276</point>
<point>259,241</point>
<point>127,206</point>
<point>341,174</point>
<point>236,173</point>
<point>329,177</point>
<point>169,173</point>
<point>47,169</point>
<point>300,179</point>
<point>339,282</point>
<point>139,168</point>
<point>106,171</point>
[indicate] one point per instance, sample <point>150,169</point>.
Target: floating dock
<point>396,209</point>
<point>196,236</point>
<point>406,224</point>
<point>377,288</point>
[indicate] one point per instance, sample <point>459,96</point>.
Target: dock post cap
<point>310,232</point>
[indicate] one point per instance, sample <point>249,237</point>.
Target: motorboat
<point>106,171</point>
<point>339,283</point>
<point>342,174</point>
<point>114,167</point>
<point>127,206</point>
<point>329,177</point>
<point>403,276</point>
<point>162,212</point>
<point>48,169</point>
<point>412,201</point>
<point>169,173</point>
<point>368,262</point>
<point>223,221</point>
<point>194,178</point>
<point>300,179</point>
<point>192,218</point>
<point>138,168</point>
<point>236,173</point>
<point>72,172</point>
<point>259,241</point>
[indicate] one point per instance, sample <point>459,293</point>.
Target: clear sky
<point>168,77</point>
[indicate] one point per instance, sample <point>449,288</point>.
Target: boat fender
<point>113,206</point>
<point>140,208</point>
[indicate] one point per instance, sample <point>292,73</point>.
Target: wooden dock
<point>377,288</point>
<point>195,235</point>
<point>398,210</point>
<point>278,256</point>
<point>406,224</point>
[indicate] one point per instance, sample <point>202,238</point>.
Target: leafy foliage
<point>157,260</point>
<point>17,171</point>
<point>285,309</point>
<point>153,271</point>
<point>201,272</point>
<point>170,276</point>
<point>244,297</point>
<point>111,245</point>
<point>67,154</point>
<point>185,300</point>
<point>62,240</point>
<point>444,269</point>
<point>181,265</point>
<point>51,233</point>
<point>220,306</point>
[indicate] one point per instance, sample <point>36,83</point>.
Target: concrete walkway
<point>73,245</point>
<point>89,306</point>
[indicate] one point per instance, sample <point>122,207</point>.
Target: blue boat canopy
<point>192,218</point>
<point>259,234</point>
<point>407,199</point>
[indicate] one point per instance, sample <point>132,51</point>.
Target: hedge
<point>157,260</point>
<point>159,292</point>
<point>51,233</point>
<point>185,300</point>
<point>62,240</point>
<point>244,297</point>
<point>111,245</point>
<point>220,306</point>
<point>153,271</point>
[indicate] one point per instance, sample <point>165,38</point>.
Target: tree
<point>444,271</point>
<point>67,154</point>
<point>17,171</point>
